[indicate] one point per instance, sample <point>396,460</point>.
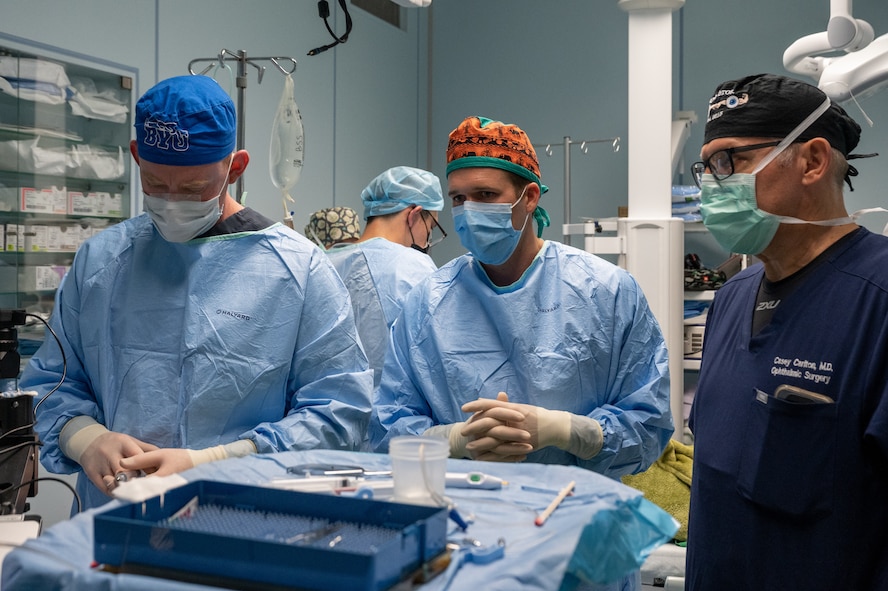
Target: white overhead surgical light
<point>858,66</point>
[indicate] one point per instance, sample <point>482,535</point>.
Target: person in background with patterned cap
<point>199,330</point>
<point>790,416</point>
<point>401,207</point>
<point>523,349</point>
<point>333,225</point>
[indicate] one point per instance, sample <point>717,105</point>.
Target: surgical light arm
<point>858,65</point>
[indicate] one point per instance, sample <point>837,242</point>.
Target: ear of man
<point>815,158</point>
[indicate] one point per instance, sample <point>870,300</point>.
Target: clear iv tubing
<point>223,66</point>
<point>440,500</point>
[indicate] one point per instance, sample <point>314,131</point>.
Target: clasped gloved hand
<point>486,437</point>
<point>511,423</point>
<point>506,431</point>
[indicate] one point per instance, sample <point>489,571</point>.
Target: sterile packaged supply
<point>97,100</point>
<point>63,238</point>
<point>45,237</point>
<point>95,203</point>
<point>83,161</point>
<point>51,200</point>
<point>41,277</point>
<point>682,193</point>
<point>691,206</point>
<point>11,238</point>
<point>89,162</point>
<point>35,79</point>
<point>31,157</point>
<point>36,238</point>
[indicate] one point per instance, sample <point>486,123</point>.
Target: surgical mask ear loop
<point>791,137</point>
<point>524,225</point>
<point>317,240</point>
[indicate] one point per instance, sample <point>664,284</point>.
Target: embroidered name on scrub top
<point>817,372</point>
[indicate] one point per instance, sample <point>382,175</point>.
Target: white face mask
<point>181,217</point>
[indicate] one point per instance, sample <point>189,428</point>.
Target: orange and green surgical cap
<point>479,142</point>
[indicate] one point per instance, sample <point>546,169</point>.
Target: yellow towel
<point>667,483</point>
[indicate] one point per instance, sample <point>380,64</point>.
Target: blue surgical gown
<point>379,274</point>
<point>574,333</point>
<point>243,336</point>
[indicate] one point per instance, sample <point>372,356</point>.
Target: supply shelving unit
<point>65,168</point>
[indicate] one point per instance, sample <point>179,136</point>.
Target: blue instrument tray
<point>280,537</point>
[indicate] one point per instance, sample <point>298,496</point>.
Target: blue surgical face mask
<point>485,229</point>
<point>181,217</point>
<point>730,210</point>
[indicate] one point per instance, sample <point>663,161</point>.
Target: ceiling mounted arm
<point>844,59</point>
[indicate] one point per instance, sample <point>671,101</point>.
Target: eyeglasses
<point>435,225</point>
<point>721,163</point>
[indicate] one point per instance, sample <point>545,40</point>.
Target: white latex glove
<point>496,436</point>
<point>576,434</point>
<point>163,462</point>
<point>98,450</point>
<point>453,436</point>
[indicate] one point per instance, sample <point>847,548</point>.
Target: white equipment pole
<point>654,239</point>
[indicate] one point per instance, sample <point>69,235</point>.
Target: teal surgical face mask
<point>730,210</point>
<point>485,229</point>
<point>181,217</point>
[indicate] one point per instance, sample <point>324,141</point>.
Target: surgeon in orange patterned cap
<point>484,143</point>
<point>523,349</point>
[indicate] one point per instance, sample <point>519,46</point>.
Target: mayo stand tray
<point>279,537</point>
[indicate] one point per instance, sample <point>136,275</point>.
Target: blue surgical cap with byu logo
<point>185,121</point>
<point>400,187</point>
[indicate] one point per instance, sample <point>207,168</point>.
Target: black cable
<point>19,428</point>
<point>324,13</point>
<point>64,361</point>
<point>44,479</point>
<point>20,446</point>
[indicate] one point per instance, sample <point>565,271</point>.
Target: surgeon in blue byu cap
<point>523,349</point>
<point>199,330</point>
<point>401,207</point>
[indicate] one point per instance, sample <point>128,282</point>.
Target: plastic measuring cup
<point>419,466</point>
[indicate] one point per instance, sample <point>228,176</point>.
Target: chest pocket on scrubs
<point>789,463</point>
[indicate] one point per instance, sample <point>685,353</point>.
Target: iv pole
<point>241,84</point>
<point>614,141</point>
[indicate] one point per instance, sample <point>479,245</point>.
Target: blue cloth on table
<point>604,531</point>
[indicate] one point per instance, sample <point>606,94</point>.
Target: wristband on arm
<point>586,437</point>
<point>77,435</point>
<point>235,449</point>
<point>453,434</point>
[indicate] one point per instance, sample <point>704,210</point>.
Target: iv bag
<point>287,144</point>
